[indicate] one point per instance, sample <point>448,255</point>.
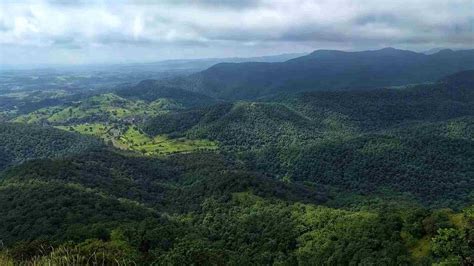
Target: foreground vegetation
<point>380,177</point>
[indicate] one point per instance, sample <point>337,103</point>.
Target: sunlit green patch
<point>161,144</point>
<point>131,138</point>
<point>421,249</point>
<point>104,107</point>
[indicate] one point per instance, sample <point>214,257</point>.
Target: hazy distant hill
<point>201,64</point>
<point>329,70</point>
<point>432,51</point>
<point>151,90</point>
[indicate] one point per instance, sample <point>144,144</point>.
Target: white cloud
<point>201,28</point>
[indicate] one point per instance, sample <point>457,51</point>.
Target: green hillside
<point>373,177</point>
<point>328,70</point>
<point>100,108</point>
<point>186,207</point>
<point>433,163</point>
<point>113,119</point>
<point>414,142</point>
<point>19,143</point>
<point>153,90</point>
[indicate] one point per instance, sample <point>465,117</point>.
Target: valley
<point>162,172</point>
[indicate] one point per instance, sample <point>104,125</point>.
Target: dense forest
<point>416,141</point>
<point>328,70</point>
<point>163,175</point>
<point>188,208</point>
<point>19,143</point>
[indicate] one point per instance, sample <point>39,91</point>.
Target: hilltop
<point>328,70</point>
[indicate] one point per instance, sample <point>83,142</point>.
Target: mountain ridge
<point>328,70</point>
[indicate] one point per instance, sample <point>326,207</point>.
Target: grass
<point>421,249</point>
<point>131,138</point>
<point>66,256</point>
<point>161,144</point>
<point>104,107</point>
<point>107,116</point>
<point>5,260</point>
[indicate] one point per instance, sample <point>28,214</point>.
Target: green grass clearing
<point>104,107</point>
<point>131,138</point>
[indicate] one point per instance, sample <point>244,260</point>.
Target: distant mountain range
<point>327,70</point>
<point>158,66</point>
<point>434,50</point>
<point>201,64</point>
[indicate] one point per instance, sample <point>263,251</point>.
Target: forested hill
<point>328,70</point>
<point>107,207</point>
<point>463,79</point>
<point>341,111</point>
<point>415,140</point>
<point>377,109</point>
<point>20,142</point>
<point>362,177</point>
<point>151,90</point>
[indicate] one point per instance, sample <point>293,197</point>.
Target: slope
<point>411,141</point>
<point>19,143</point>
<point>328,70</point>
<point>152,90</point>
<point>100,108</point>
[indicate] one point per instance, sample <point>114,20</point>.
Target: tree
<point>451,243</point>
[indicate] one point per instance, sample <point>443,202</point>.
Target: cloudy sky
<point>78,32</point>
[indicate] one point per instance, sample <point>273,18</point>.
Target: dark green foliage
<point>173,122</point>
<point>358,141</point>
<point>60,212</point>
<point>20,142</point>
<point>179,183</point>
<point>248,230</point>
<point>453,244</point>
<point>378,109</point>
<point>88,196</point>
<point>463,79</point>
<point>328,70</point>
<point>385,158</point>
<point>151,90</point>
<point>25,250</point>
<point>239,124</point>
<point>123,177</point>
<point>434,169</point>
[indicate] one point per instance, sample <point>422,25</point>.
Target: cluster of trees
<point>240,124</point>
<point>19,143</point>
<point>384,108</point>
<point>53,221</point>
<point>416,140</point>
<point>152,90</point>
<point>437,170</point>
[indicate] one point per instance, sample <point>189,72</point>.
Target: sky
<point>89,32</point>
